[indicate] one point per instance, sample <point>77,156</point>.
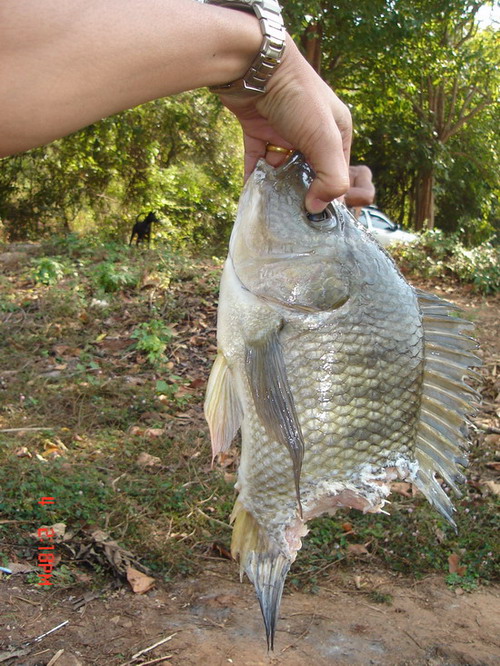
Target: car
<point>384,230</point>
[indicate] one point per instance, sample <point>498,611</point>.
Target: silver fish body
<point>340,375</point>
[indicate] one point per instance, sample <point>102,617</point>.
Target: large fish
<point>341,376</point>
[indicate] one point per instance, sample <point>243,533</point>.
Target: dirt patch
<point>215,620</point>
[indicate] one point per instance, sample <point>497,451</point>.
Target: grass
<point>106,351</point>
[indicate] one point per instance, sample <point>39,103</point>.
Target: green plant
<point>170,389</point>
<point>112,277</point>
<point>468,582</point>
<point>439,255</point>
<point>47,270</point>
<point>152,338</point>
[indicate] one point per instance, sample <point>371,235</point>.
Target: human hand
<point>298,111</point>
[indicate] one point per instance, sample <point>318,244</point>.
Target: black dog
<point>142,229</point>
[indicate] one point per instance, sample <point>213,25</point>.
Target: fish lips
<point>297,168</point>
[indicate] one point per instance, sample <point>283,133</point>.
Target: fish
<point>340,375</point>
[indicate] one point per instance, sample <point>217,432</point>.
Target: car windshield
<point>362,218</point>
<point>380,222</point>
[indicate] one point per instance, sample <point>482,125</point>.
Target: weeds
<point>47,271</point>
<point>152,339</point>
<point>437,255</point>
<point>111,277</point>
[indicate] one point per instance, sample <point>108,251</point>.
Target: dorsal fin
<point>441,440</point>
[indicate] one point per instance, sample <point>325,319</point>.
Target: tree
<point>416,74</point>
<point>175,156</point>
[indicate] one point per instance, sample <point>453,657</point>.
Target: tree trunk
<point>424,201</point>
<point>311,43</point>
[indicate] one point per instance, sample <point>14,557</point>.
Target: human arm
<point>66,64</point>
<point>361,191</point>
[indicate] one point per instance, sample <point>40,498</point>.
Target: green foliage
<point>180,157</point>
<point>467,582</point>
<point>111,277</point>
<point>81,493</point>
<point>152,338</point>
<point>47,270</point>
<point>436,254</point>
<point>422,82</point>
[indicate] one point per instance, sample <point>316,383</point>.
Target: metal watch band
<point>271,51</point>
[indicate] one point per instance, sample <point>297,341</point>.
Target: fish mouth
<point>296,162</point>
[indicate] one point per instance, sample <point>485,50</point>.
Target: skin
<point>361,190</point>
<point>67,64</point>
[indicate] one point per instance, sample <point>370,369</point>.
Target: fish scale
<point>341,376</point>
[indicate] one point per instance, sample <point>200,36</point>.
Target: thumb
<point>330,162</point>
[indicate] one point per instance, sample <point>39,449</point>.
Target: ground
<point>214,619</point>
<point>362,613</point>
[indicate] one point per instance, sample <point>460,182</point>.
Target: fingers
<point>329,158</point>
<point>256,149</point>
<point>299,111</point>
<point>308,114</point>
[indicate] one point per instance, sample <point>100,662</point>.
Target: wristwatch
<point>271,51</point>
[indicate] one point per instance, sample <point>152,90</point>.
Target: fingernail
<point>316,206</point>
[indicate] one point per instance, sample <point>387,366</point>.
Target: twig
<point>33,603</point>
<point>156,661</point>
<point>219,522</point>
<point>152,647</point>
<point>413,639</point>
<point>39,638</point>
<point>26,429</point>
<point>55,657</point>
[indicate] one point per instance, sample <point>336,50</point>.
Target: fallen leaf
<point>154,432</point>
<point>197,383</point>
<point>493,487</point>
<point>66,350</point>
<point>347,527</point>
<point>440,535</point>
<point>19,567</point>
<point>135,430</point>
<point>58,530</point>
<point>147,460</point>
<point>454,566</point>
<point>357,549</point>
<point>23,452</point>
<point>139,582</point>
<point>53,449</point>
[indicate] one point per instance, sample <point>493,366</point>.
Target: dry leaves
<point>454,566</point>
<point>146,460</point>
<point>357,549</point>
<point>139,582</point>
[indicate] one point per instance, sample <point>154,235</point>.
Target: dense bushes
<point>436,254</point>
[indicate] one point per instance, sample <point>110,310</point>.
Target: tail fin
<point>265,566</point>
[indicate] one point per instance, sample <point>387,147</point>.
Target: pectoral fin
<point>273,399</point>
<point>223,410</point>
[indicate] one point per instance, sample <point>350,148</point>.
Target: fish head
<point>283,254</point>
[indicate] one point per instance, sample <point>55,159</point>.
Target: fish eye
<point>325,221</point>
